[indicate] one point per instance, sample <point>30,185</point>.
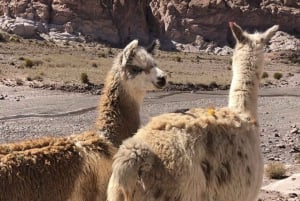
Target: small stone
<point>293,195</point>
<point>295,150</point>
<point>2,97</point>
<point>294,131</point>
<point>281,146</point>
<point>271,158</point>
<point>277,159</point>
<point>276,135</point>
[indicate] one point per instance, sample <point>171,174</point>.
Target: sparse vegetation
<point>61,64</point>
<point>19,82</point>
<point>94,65</point>
<point>84,78</point>
<point>265,75</point>
<point>275,170</point>
<point>14,39</point>
<point>29,63</point>
<point>178,59</point>
<point>28,78</point>
<point>277,76</point>
<point>298,158</point>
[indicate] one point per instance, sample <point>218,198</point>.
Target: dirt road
<point>27,113</point>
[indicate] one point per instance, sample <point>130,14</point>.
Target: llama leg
<point>132,161</point>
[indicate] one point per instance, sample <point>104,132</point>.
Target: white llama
<point>78,167</point>
<point>201,154</point>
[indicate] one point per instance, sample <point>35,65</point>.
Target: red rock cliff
<point>187,21</point>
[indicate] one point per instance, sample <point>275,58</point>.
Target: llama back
<point>200,137</point>
<point>33,170</point>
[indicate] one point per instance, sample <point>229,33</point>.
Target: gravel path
<point>27,113</point>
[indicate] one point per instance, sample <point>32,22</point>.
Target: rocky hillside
<point>193,22</point>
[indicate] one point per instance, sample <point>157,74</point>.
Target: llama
<point>78,167</point>
<point>200,154</point>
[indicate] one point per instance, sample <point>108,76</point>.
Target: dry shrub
<point>275,170</point>
<point>19,82</point>
<point>94,65</point>
<point>265,75</point>
<point>298,158</point>
<point>84,78</point>
<point>178,59</point>
<point>28,63</point>
<point>277,76</point>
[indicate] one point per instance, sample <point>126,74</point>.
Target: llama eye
<point>135,70</point>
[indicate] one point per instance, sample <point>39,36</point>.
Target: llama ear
<point>268,34</point>
<point>128,50</point>
<point>237,32</point>
<point>153,46</point>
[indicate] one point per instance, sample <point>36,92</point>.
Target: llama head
<point>139,69</point>
<point>249,48</point>
<point>255,41</point>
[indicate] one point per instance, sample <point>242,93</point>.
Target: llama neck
<point>119,116</point>
<point>247,69</point>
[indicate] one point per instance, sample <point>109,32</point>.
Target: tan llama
<point>77,168</point>
<point>201,154</point>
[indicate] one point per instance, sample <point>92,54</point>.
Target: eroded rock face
<point>184,21</point>
<point>193,22</point>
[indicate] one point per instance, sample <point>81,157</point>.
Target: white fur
<point>202,154</point>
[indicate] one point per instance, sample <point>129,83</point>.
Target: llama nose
<point>161,81</point>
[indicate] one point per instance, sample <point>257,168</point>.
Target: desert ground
<point>43,93</point>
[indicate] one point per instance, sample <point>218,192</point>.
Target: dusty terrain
<point>27,110</point>
<point>28,113</point>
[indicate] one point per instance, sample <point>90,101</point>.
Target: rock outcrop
<point>202,24</point>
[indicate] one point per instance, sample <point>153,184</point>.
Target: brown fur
<point>55,169</point>
<point>119,112</point>
<point>78,167</point>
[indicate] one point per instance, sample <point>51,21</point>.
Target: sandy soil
<point>28,113</point>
